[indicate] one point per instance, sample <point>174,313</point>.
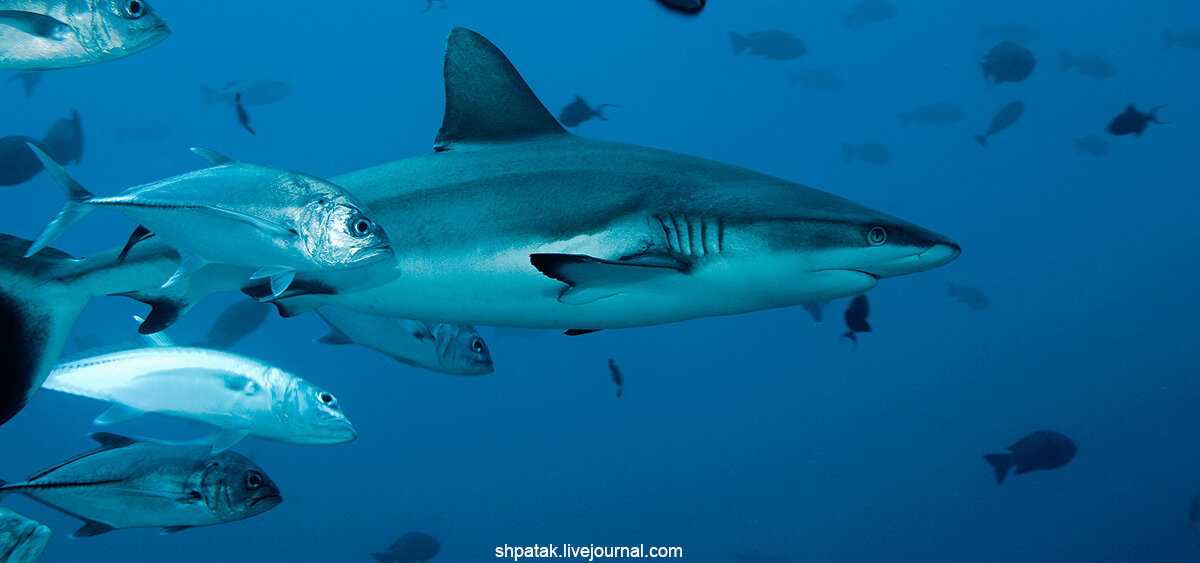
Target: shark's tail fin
<point>75,209</point>
<point>1001,463</point>
<point>1067,61</point>
<point>739,43</point>
<point>1168,39</point>
<point>210,96</point>
<point>848,152</point>
<point>599,111</point>
<point>37,310</point>
<point>982,140</point>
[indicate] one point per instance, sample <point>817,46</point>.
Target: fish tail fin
<point>1067,61</point>
<point>739,43</point>
<point>75,209</point>
<point>210,96</point>
<point>848,152</point>
<point>599,111</point>
<point>37,310</point>
<point>1153,116</point>
<point>905,119</point>
<point>1168,39</point>
<point>853,339</point>
<point>982,140</point>
<point>1001,463</point>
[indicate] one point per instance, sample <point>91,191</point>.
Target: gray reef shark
<point>513,221</point>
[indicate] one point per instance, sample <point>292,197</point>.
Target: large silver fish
<point>240,395</point>
<point>53,34</point>
<point>21,539</point>
<point>441,347</point>
<point>277,220</point>
<point>126,483</point>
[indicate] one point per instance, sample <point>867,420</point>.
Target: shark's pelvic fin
<point>486,99</point>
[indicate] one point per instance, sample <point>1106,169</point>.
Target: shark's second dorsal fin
<point>486,99</point>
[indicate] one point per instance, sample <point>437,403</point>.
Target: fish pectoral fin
<point>38,25</point>
<point>280,278</point>
<point>118,413</point>
<point>257,222</point>
<point>188,264</point>
<point>92,528</point>
<point>228,438</point>
<point>173,496</point>
<point>212,157</point>
<point>334,338</point>
<point>592,279</point>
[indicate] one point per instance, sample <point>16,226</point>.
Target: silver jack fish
<point>242,396</point>
<point>237,213</point>
<point>445,348</point>
<point>21,539</point>
<point>53,34</point>
<point>130,484</point>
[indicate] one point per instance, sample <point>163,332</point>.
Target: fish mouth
<point>31,544</point>
<point>274,500</point>
<point>373,254</point>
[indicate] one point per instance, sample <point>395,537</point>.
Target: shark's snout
<point>938,254</point>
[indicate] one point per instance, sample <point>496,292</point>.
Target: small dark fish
<point>969,296</point>
<point>770,43</point>
<point>429,5</point>
<point>1011,31</point>
<point>1004,118</point>
<point>690,7</point>
<point>866,152</point>
<point>1007,62</point>
<point>235,323</point>
<point>413,547</point>
<point>868,11</point>
<point>856,318</point>
<point>817,79</point>
<point>1091,65</point>
<point>1194,511</point>
<point>817,310</point>
<point>579,111</point>
<point>1044,449</point>
<point>616,376</point>
<point>63,141</point>
<point>1091,144</point>
<point>241,113</point>
<point>1134,121</point>
<point>28,79</point>
<point>1189,39</point>
<point>938,113</point>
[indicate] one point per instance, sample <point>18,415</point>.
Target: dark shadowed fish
<point>868,11</point>
<point>1004,118</point>
<point>1010,31</point>
<point>690,7</point>
<point>1189,39</point>
<point>579,111</point>
<point>235,323</point>
<point>1091,144</point>
<point>616,376</point>
<point>867,152</point>
<point>429,5</point>
<point>856,318</point>
<point>816,310</point>
<point>1044,449</point>
<point>1007,62</point>
<point>413,547</point>
<point>1091,65</point>
<point>28,80</point>
<point>770,43</point>
<point>21,540</point>
<point>968,296</point>
<point>816,78</point>
<point>125,483</point>
<point>1134,121</point>
<point>243,118</point>
<point>63,140</point>
<point>937,113</point>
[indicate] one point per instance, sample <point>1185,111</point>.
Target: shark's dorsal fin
<point>486,99</point>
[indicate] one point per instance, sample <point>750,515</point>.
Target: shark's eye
<point>133,9</point>
<point>876,236</point>
<point>254,480</point>
<point>477,345</point>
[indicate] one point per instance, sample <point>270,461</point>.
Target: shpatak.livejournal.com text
<point>588,552</point>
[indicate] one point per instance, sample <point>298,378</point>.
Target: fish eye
<point>876,236</point>
<point>326,398</point>
<point>361,227</point>
<point>477,345</point>
<point>134,9</point>
<point>254,480</point>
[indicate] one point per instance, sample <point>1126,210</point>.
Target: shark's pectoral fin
<point>38,25</point>
<point>486,99</point>
<point>592,279</point>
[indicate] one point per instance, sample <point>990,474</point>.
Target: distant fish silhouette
<point>1189,39</point>
<point>1134,121</point>
<point>579,111</point>
<point>689,7</point>
<point>868,11</point>
<point>235,323</point>
<point>1044,449</point>
<point>1007,62</point>
<point>770,43</point>
<point>616,376</point>
<point>63,141</point>
<point>28,79</point>
<point>968,296</point>
<point>241,113</point>
<point>1090,144</point>
<point>856,318</point>
<point>1091,65</point>
<point>1004,118</point>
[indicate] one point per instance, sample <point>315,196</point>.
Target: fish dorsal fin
<point>213,157</point>
<point>486,99</point>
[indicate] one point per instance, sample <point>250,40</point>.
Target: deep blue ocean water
<point>758,431</point>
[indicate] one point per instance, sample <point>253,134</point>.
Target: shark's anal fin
<point>592,279</point>
<point>486,99</point>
